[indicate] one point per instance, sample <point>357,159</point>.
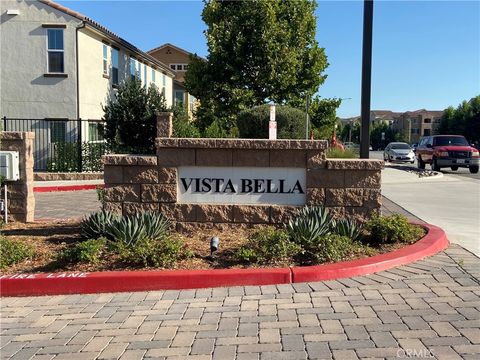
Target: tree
<point>259,51</point>
<point>323,116</point>
<point>464,120</point>
<point>130,117</point>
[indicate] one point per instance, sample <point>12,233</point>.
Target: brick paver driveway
<point>429,308</point>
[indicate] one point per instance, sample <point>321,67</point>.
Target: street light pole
<point>366,78</point>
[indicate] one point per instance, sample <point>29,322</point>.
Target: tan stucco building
<point>418,123</point>
<point>177,59</point>
<point>60,64</point>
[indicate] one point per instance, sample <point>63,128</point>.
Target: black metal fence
<point>63,145</point>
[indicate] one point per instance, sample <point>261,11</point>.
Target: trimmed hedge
<point>253,123</point>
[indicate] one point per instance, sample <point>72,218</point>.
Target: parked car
<point>351,145</point>
<point>452,151</point>
<point>414,147</point>
<point>398,152</point>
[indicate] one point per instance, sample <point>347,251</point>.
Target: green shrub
<point>165,252</point>
<point>329,247</point>
<point>253,123</point>
<point>309,224</point>
<point>349,228</point>
<point>393,228</point>
<point>130,117</point>
<point>13,252</point>
<point>266,246</point>
<point>334,153</point>
<point>84,252</point>
<point>183,127</point>
<point>96,224</point>
<point>64,157</point>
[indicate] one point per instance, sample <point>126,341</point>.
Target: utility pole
<point>366,78</point>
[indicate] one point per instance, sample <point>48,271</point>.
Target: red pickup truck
<point>452,151</point>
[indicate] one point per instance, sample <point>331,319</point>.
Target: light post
<point>366,78</point>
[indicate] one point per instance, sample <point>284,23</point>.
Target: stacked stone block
<point>149,183</point>
<point>21,200</point>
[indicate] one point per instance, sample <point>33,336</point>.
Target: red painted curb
<point>66,188</point>
<point>435,241</point>
<point>118,281</point>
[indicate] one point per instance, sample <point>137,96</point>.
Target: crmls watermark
<point>414,353</point>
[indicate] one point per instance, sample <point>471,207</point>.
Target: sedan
<point>399,152</point>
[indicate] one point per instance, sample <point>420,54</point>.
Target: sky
<point>426,54</point>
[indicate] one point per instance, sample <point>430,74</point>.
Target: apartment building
<point>418,123</point>
<point>59,64</point>
<point>177,59</point>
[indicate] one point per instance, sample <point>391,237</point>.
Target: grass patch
<point>336,153</point>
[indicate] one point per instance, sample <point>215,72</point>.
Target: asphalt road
<point>451,201</point>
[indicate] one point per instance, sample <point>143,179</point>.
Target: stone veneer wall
<point>21,201</point>
<point>149,183</point>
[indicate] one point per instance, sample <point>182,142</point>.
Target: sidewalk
<point>429,307</point>
<point>451,202</point>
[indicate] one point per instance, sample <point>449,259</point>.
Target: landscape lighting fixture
<point>214,245</point>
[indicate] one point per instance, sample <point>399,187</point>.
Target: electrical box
<point>9,168</point>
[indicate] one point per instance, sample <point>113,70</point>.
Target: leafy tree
<point>463,120</point>
<point>259,51</point>
<point>323,116</point>
<point>130,117</point>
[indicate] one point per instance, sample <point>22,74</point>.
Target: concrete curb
<point>66,188</point>
<point>126,281</point>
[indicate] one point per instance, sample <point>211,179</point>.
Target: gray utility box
<point>9,165</point>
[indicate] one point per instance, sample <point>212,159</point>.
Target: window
<point>426,132</point>
<point>185,67</point>
<point>58,131</point>
<point>173,66</point>
<point>164,84</point>
<point>144,74</point>
<point>114,66</point>
<point>55,51</point>
<point>153,76</point>
<point>95,131</point>
<point>133,68</point>
<point>105,59</point>
<point>179,97</point>
<point>427,121</point>
<point>191,102</point>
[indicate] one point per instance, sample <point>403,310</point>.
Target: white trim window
<point>145,74</point>
<point>105,59</point>
<point>153,76</point>
<point>55,50</point>
<point>179,97</point>
<point>114,66</point>
<point>164,84</point>
<point>133,68</point>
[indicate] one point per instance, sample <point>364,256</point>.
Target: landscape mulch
<point>50,238</point>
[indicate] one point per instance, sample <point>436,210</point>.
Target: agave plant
<point>95,225</point>
<point>157,226</point>
<point>349,228</point>
<point>128,230</point>
<point>309,224</point>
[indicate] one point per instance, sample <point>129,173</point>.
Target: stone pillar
<point>164,124</point>
<point>21,200</point>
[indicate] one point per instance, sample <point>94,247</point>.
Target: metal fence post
<point>4,123</point>
<point>79,142</point>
